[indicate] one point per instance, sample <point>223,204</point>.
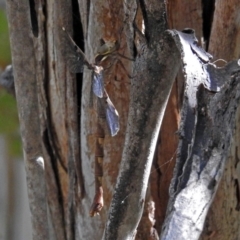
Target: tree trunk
<point>60,122</point>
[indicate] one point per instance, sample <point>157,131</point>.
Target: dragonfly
<point>105,107</point>
<point>76,63</point>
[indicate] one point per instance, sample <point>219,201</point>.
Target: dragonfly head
<point>108,47</point>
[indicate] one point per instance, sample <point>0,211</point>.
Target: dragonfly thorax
<point>98,69</point>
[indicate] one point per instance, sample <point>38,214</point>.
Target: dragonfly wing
<point>98,85</point>
<point>112,117</point>
<point>75,64</point>
<point>75,56</point>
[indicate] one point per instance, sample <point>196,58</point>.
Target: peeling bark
<point>203,149</point>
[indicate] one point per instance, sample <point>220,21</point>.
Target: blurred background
<point>14,209</point>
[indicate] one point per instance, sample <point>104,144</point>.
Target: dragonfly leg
<point>125,70</point>
<point>123,56</point>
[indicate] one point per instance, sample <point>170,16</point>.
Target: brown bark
<point>165,156</point>
<point>182,15</point>
<point>225,33</point>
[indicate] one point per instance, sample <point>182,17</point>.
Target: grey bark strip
<point>34,69</point>
<point>208,116</point>
<point>26,86</point>
<point>155,71</point>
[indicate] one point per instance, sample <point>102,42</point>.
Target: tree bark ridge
<point>145,116</point>
<point>24,65</point>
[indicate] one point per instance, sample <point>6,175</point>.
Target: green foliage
<point>9,125</point>
<point>5,56</point>
<point>8,119</point>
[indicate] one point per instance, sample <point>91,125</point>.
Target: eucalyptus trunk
<point>62,131</point>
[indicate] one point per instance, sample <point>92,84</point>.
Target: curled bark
<point>205,137</point>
